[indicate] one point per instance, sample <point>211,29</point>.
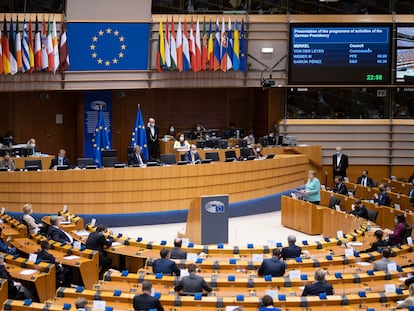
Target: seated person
<point>64,275</point>
<point>4,245</point>
<point>192,155</point>
<point>145,301</point>
<point>97,241</point>
<point>273,266</point>
<point>365,180</point>
<point>165,265</point>
<point>340,187</point>
<point>170,134</point>
<point>15,289</point>
<point>411,178</point>
<point>359,209</point>
<point>181,143</point>
<point>57,234</point>
<point>382,197</point>
<point>379,243</point>
<point>81,304</point>
<point>60,159</point>
<point>267,302</point>
<point>291,251</point>
<point>319,286</point>
<point>31,143</point>
<point>409,301</point>
<point>136,157</point>
<point>257,150</point>
<point>395,236</point>
<point>250,139</point>
<point>193,283</point>
<point>177,252</point>
<point>382,264</point>
<point>29,221</point>
<point>7,162</point>
<point>411,191</point>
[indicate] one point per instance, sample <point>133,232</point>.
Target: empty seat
<point>214,156</point>
<point>334,201</point>
<point>83,162</point>
<point>109,161</point>
<point>372,215</point>
<point>406,234</point>
<point>168,158</point>
<point>245,152</point>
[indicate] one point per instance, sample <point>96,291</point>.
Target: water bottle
<point>369,226</point>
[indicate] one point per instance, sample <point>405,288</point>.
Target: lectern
<point>208,220</point>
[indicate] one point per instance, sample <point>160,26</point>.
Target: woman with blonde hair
<point>28,219</point>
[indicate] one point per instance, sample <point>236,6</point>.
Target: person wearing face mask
<point>60,159</point>
<point>7,162</point>
<point>257,150</point>
<point>340,187</point>
<point>395,236</point>
<point>31,143</point>
<point>152,138</point>
<point>192,155</point>
<point>28,219</point>
<point>382,197</point>
<point>250,139</point>
<point>170,134</point>
<point>339,163</point>
<point>365,180</point>
<point>181,143</point>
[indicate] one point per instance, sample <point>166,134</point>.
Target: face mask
<point>338,153</point>
<point>181,139</point>
<point>251,136</point>
<point>171,129</point>
<point>198,129</point>
<point>152,124</point>
<point>257,149</point>
<point>271,135</point>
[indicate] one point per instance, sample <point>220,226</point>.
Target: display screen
<point>405,54</point>
<point>339,54</point>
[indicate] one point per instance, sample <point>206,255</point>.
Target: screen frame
<point>400,25</point>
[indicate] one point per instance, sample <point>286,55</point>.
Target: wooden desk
<point>334,221</point>
<point>19,162</point>
<point>116,191</point>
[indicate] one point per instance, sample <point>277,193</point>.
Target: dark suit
<point>411,192</point>
<point>187,157</point>
<point>360,212</point>
<point>291,251</point>
<point>383,199</point>
<point>146,302</point>
<point>374,246</point>
<point>178,253</point>
<point>12,290</point>
<point>341,189</point>
<point>63,275</point>
<point>152,142</point>
<point>192,284</point>
<point>55,162</point>
<point>165,266</point>
<point>340,170</point>
<point>133,159</point>
<point>369,181</point>
<point>272,266</point>
<point>57,234</point>
<point>317,288</point>
<point>97,242</point>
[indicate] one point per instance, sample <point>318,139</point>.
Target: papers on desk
<point>32,258</point>
<point>99,305</point>
<point>363,263</point>
<point>231,308</point>
<point>192,257</point>
<point>257,257</point>
<point>294,274</point>
<point>389,288</point>
<point>272,293</point>
<point>116,244</point>
<point>72,257</point>
<point>82,233</point>
<point>27,271</point>
<point>65,222</point>
<point>357,244</point>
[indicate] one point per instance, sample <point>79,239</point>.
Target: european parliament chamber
<point>128,113</point>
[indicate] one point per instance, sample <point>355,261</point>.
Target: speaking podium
<point>208,220</point>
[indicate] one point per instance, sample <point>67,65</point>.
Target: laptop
<point>270,156</point>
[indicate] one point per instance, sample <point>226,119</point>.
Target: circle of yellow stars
<point>133,135</point>
<point>101,36</point>
<point>94,141</point>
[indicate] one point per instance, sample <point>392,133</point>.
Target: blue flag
<point>243,64</point>
<point>139,134</point>
<point>100,140</point>
<point>108,46</point>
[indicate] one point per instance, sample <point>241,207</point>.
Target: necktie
<point>60,161</point>
<point>192,157</point>
<point>364,181</point>
<point>139,159</point>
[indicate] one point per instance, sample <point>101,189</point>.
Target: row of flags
<point>21,52</point>
<point>222,48</point>
<point>101,142</point>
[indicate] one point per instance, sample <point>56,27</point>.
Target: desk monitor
<point>62,167</point>
<point>270,156</point>
<point>251,157</point>
<point>109,161</point>
<point>212,143</point>
<point>33,163</point>
<point>237,132</point>
<point>4,169</point>
<point>91,167</point>
<point>168,158</point>
<point>222,144</point>
<point>32,168</point>
<point>108,153</point>
<point>225,134</point>
<point>264,141</point>
<point>245,152</point>
<point>271,140</point>
<point>26,152</point>
<point>182,162</point>
<point>7,140</point>
<point>230,159</point>
<point>201,144</point>
<point>152,163</point>
<point>206,161</point>
<point>119,165</point>
<point>214,156</point>
<point>83,162</point>
<point>242,143</point>
<point>214,133</point>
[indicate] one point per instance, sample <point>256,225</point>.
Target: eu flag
<point>100,140</point>
<point>243,60</point>
<point>139,135</point>
<point>108,46</point>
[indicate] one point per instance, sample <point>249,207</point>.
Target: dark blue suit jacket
<point>317,288</point>
<point>55,162</point>
<point>187,156</point>
<point>57,235</point>
<point>383,199</point>
<point>146,302</point>
<point>166,266</point>
<point>272,266</point>
<point>291,251</point>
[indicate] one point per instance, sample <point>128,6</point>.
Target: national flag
<point>37,47</point>
<point>31,54</point>
<point>50,51</point>
<point>139,134</point>
<point>55,46</point>
<point>179,46</point>
<point>204,48</point>
<point>18,45</point>
<point>192,48</point>
<point>6,50</point>
<point>186,49</point>
<point>100,140</point>
<point>167,47</point>
<point>198,47</point>
<point>26,53</point>
<point>223,53</point>
<point>12,48</point>
<point>1,54</point>
<point>236,47</point>
<point>210,48</point>
<point>229,46</point>
<point>243,64</point>
<point>173,47</point>
<point>45,59</point>
<point>63,49</point>
<point>217,48</point>
<point>161,49</point>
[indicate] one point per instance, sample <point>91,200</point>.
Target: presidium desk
<point>151,189</point>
